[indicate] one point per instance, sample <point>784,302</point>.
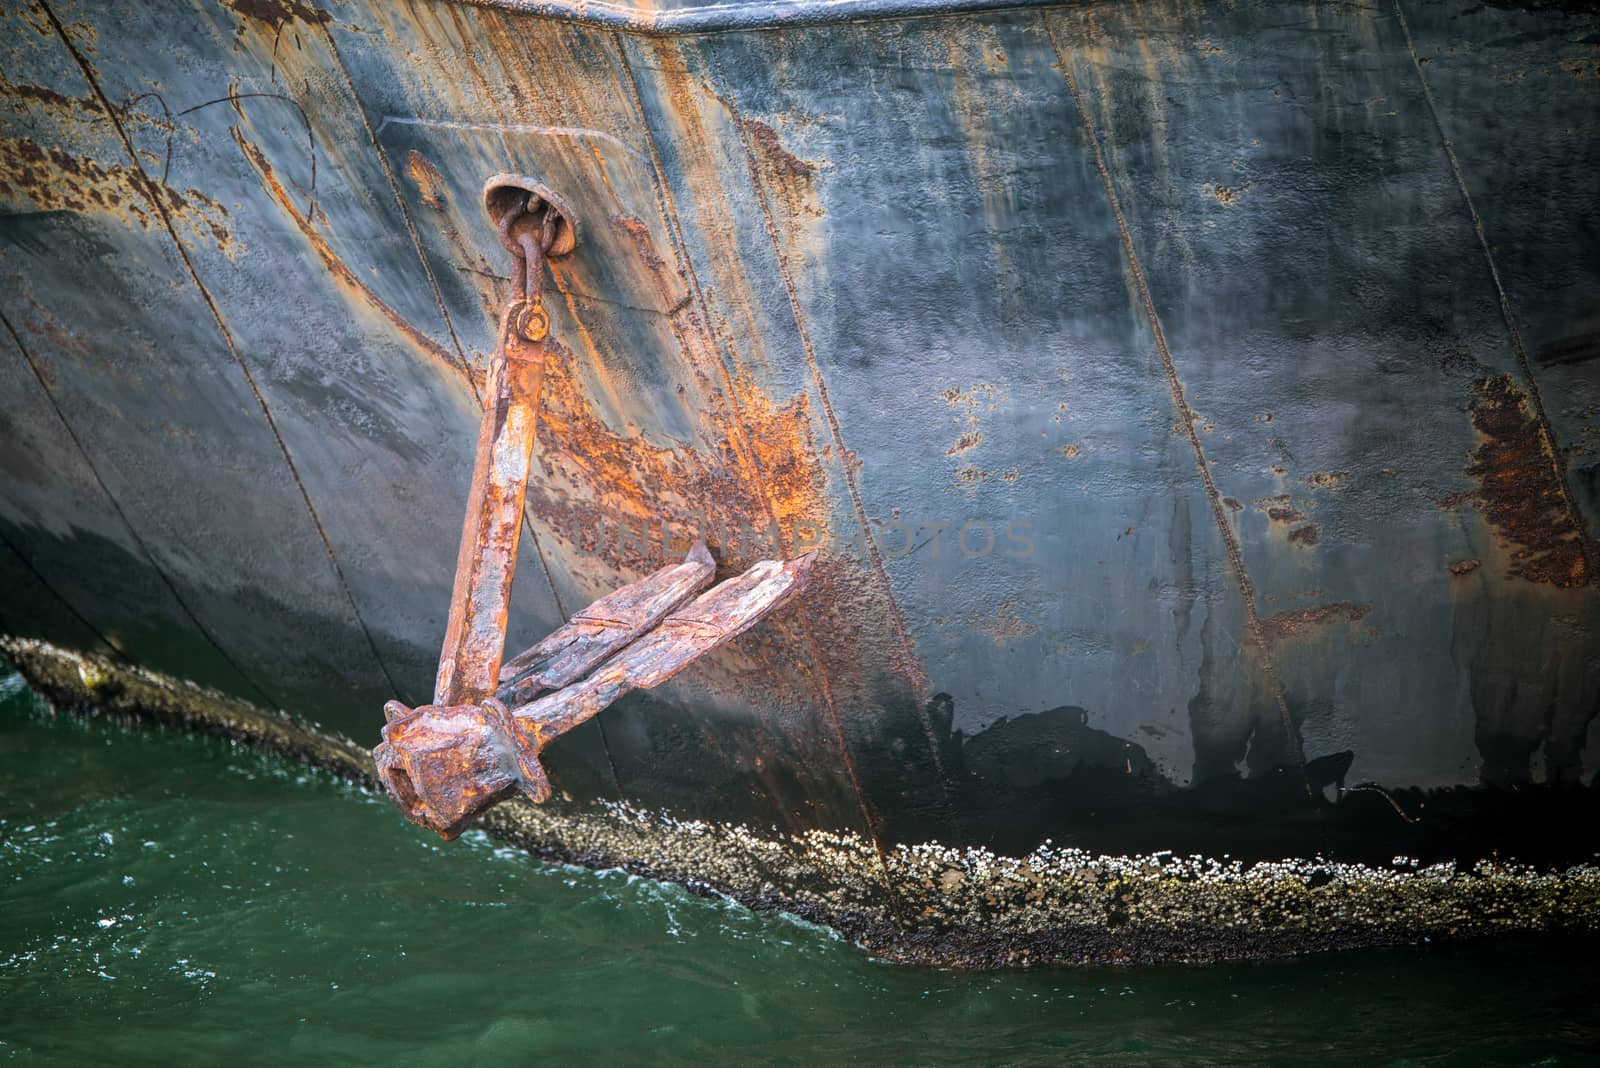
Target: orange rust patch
<point>429,183</point>
<point>49,180</point>
<point>1519,490</point>
<point>1295,624</point>
<point>1283,514</point>
<point>1225,195</point>
<point>1324,480</point>
<point>595,476</point>
<point>1071,452</point>
<point>1465,567</point>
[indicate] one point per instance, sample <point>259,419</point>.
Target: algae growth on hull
<point>927,903</point>
<point>166,898</point>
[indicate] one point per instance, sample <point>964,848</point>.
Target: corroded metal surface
<point>1188,398</point>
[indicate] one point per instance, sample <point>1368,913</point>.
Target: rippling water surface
<point>168,899</point>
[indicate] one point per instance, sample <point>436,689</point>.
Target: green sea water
<point>169,900</point>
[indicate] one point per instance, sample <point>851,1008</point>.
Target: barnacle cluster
<point>929,903</point>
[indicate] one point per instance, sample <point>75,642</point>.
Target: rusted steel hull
<point>1194,409</point>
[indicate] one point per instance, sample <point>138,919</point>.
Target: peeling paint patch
<point>779,158</point>
<point>788,181</point>
<point>34,177</point>
<point>1227,196</point>
<point>1298,623</point>
<point>275,13</point>
<point>1305,536</point>
<point>970,440</point>
<point>429,182</point>
<point>41,96</point>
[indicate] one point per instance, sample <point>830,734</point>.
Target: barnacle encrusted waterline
<point>928,903</point>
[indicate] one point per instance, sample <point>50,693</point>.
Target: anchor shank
<point>469,665</point>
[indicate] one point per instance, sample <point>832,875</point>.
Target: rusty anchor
<point>482,736</point>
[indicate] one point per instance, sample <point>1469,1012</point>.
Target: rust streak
<point>337,267</point>
<point>670,216</point>
<point>909,666</point>
<point>400,202</point>
<point>754,141</point>
<point>1186,417</point>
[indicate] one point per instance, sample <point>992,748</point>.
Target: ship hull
<point>1193,407</point>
